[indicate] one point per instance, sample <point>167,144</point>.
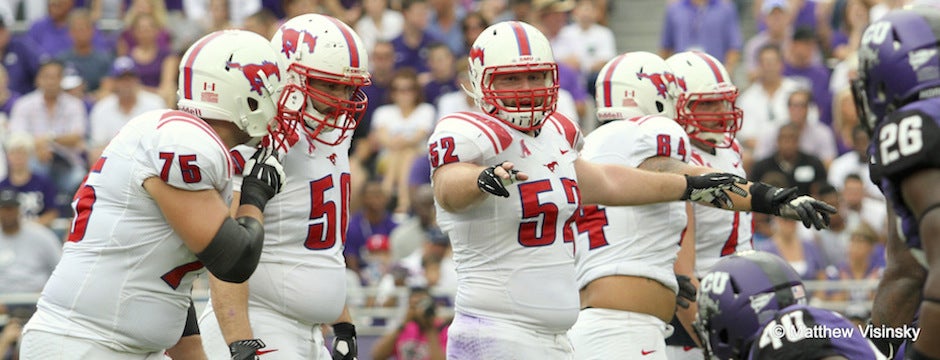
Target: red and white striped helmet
<point>514,48</point>
<point>706,108</point>
<point>316,47</point>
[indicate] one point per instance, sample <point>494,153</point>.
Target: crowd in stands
<point>74,71</point>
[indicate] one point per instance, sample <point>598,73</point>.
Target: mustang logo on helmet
<point>291,39</point>
<point>252,72</point>
<point>476,53</point>
<point>661,81</point>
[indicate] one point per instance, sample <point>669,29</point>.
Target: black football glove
<point>246,349</point>
<point>489,182</point>
<point>786,203</point>
<point>344,342</point>
<point>263,178</point>
<point>687,292</point>
<point>710,188</point>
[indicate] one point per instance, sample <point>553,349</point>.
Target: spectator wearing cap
<point>20,57</point>
<point>550,16</point>
<point>37,193</point>
<point>29,252</point>
<point>51,33</point>
<point>91,65</point>
<point>411,46</point>
<point>776,14</point>
<point>126,100</point>
<point>799,65</point>
<point>372,219</point>
<point>57,122</point>
<point>706,25</point>
<point>73,84</point>
<point>593,44</point>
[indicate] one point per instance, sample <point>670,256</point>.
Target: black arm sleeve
<point>192,322</point>
<point>233,253</point>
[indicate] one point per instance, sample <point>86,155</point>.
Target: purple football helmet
<point>898,62</point>
<point>741,292</point>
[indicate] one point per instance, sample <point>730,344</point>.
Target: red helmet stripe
<point>522,39</point>
<point>188,69</point>
<point>712,65</point>
<point>350,42</point>
<point>608,102</point>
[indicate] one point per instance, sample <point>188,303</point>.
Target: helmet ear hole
<point>252,104</point>
<point>660,106</point>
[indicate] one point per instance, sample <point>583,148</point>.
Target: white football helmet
<point>706,108</point>
<point>238,79</point>
<point>320,48</point>
<point>514,48</point>
<point>636,83</point>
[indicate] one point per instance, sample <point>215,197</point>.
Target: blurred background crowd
<point>74,71</point>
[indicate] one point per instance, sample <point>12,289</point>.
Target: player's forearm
<point>685,265</point>
<point>899,291</point>
<point>230,303</point>
<point>670,165</point>
<point>455,186</point>
<point>604,184</point>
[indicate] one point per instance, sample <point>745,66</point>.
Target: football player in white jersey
<point>706,109</point>
<point>122,288</point>
<point>300,282</point>
<point>511,230</point>
<point>625,254</point>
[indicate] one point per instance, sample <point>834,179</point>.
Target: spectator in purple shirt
<point>20,58</point>
<point>799,65</point>
<point>51,33</point>
<point>372,220</point>
<point>801,254</point>
<point>382,61</point>
<point>37,194</point>
<point>157,11</point>
<point>707,25</point>
<point>7,97</point>
<point>441,62</point>
<point>411,47</point>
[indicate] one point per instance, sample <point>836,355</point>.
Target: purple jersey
<point>803,332</point>
<point>897,152</point>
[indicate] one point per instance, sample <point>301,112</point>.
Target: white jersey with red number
<point>125,277</point>
<point>302,271</point>
<point>632,240</point>
<point>719,232</point>
<point>514,257</point>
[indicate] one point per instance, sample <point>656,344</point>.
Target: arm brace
<point>233,253</point>
<point>762,196</point>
